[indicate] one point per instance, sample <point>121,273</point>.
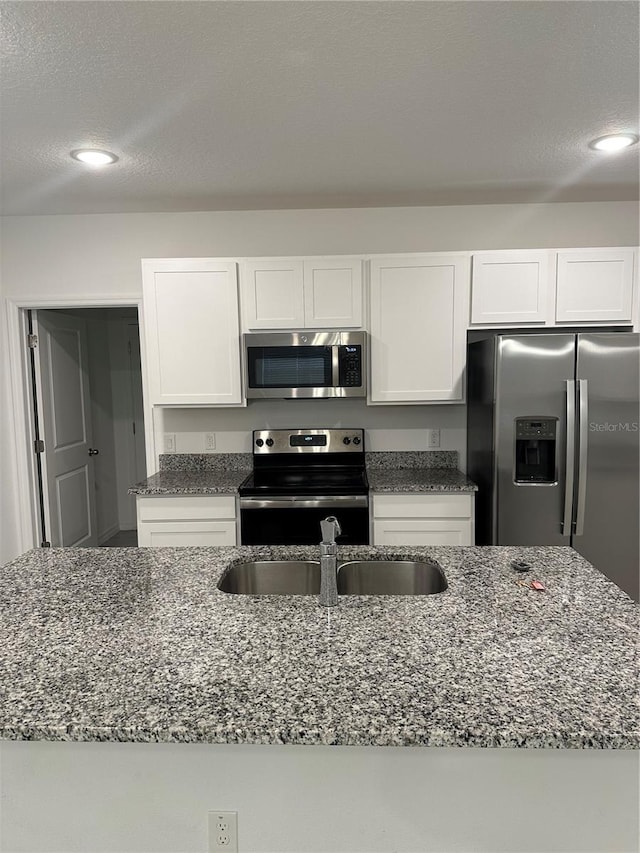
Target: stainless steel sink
<point>362,577</point>
<point>273,577</point>
<point>390,577</point>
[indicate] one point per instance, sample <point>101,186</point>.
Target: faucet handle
<point>330,528</point>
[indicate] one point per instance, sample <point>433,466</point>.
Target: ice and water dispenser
<point>535,458</point>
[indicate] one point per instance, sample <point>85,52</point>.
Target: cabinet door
<point>595,285</point>
<point>191,328</point>
<point>333,293</point>
<point>273,293</point>
<point>510,288</point>
<point>419,308</point>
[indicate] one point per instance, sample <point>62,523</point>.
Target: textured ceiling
<point>227,105</point>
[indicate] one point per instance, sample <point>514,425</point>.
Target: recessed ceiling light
<point>93,156</point>
<point>614,142</point>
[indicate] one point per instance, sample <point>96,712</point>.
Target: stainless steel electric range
<point>301,476</point>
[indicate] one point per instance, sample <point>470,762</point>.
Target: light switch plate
<point>169,442</point>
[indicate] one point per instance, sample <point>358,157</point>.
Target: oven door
<point>296,520</point>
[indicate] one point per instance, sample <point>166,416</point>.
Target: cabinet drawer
<point>421,532</point>
<point>423,506</point>
<point>178,534</point>
<point>186,507</point>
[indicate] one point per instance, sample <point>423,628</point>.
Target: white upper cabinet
<point>191,327</point>
<point>549,287</point>
<point>419,309</point>
<point>299,293</point>
<point>511,287</point>
<point>333,293</point>
<point>273,293</point>
<point>595,286</point>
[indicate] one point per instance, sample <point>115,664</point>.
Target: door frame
<point>23,426</point>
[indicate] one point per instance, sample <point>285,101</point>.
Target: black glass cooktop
<point>305,480</point>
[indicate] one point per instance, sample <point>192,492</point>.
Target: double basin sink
<point>357,577</point>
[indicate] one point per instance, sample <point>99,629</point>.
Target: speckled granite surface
<point>192,482</point>
<point>205,461</point>
<point>197,474</point>
<point>394,459</point>
<point>139,645</point>
<point>222,473</point>
<point>419,480</point>
<point>416,471</point>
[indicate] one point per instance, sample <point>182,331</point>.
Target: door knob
<point>93,451</point>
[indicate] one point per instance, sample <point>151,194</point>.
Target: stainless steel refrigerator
<point>553,442</point>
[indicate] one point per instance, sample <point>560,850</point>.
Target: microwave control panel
<point>350,366</point>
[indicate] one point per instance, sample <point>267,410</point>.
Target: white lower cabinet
<point>175,520</point>
<point>421,519</point>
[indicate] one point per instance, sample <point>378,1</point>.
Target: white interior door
<point>65,411</point>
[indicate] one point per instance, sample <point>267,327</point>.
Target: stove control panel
<point>308,441</point>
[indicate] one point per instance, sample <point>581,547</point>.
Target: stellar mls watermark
<point>621,426</point>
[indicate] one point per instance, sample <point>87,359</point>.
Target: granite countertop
<point>402,480</point>
<point>139,645</point>
<point>416,471</point>
<point>223,473</point>
<point>212,482</point>
<point>197,474</point>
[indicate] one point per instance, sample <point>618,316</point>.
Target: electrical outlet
<point>209,441</point>
<point>169,442</point>
<point>433,438</point>
<point>223,832</point>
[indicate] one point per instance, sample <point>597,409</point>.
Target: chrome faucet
<point>330,528</point>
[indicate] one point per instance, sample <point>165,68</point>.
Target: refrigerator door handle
<point>583,438</point>
<point>570,456</point>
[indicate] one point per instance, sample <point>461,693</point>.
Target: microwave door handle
<point>583,439</point>
<point>570,426</point>
<point>335,366</point>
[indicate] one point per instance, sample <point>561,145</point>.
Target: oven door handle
<point>329,501</point>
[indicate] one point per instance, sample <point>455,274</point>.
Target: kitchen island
<point>139,645</point>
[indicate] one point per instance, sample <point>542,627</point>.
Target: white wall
<point>99,255</point>
<point>154,798</point>
<point>387,427</point>
<point>10,528</point>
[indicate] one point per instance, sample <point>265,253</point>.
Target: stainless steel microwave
<point>305,364</point>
